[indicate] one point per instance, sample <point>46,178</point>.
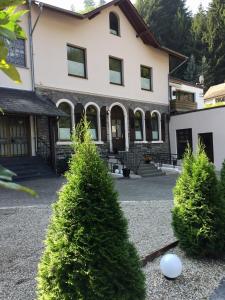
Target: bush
<point>87,252</point>
<point>199,212</point>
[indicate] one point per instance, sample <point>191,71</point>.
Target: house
<point>105,64</point>
<point>185,96</point>
<point>215,96</point>
<point>205,125</point>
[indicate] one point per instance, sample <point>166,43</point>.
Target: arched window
<point>155,126</point>
<point>138,126</point>
<point>65,123</point>
<point>92,118</point>
<point>114,24</point>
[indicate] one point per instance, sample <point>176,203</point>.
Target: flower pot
<point>126,172</point>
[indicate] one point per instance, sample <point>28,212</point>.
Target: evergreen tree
<point>169,20</point>
<point>87,252</point>
<point>216,43</point>
<point>222,180</point>
<point>199,211</point>
<point>88,5</point>
<point>101,2</point>
<point>191,71</point>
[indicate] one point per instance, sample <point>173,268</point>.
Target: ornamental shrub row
<point>198,217</point>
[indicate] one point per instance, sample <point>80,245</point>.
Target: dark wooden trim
<point>157,253</point>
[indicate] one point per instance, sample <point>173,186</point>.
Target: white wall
<point>202,121</point>
<point>55,30</point>
<point>199,96</point>
<point>24,72</point>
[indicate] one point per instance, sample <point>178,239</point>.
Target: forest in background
<point>201,36</point>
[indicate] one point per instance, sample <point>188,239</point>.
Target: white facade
<point>179,85</point>
<point>202,121</point>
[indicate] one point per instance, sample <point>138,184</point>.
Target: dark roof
<point>132,15</point>
<point>27,102</point>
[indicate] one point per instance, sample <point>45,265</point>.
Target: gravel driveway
<point>146,203</point>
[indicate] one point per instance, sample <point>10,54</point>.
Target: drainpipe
<point>31,30</point>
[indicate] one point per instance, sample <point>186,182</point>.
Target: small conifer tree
<point>87,252</point>
<point>199,212</point>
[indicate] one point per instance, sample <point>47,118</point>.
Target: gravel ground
<point>22,231</point>
<point>198,280</point>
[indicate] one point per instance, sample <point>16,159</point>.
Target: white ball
<point>171,266</point>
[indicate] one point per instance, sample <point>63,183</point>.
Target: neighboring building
<point>206,125</point>
<point>105,64</point>
<point>185,96</point>
<point>215,96</point>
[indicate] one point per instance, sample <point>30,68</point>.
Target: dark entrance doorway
<point>14,136</point>
<point>207,140</point>
<point>118,133</point>
<point>184,137</point>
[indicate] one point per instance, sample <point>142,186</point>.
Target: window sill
<point>141,142</point>
<point>77,76</point>
<point>118,84</point>
<point>157,142</point>
<point>22,67</point>
<point>60,143</point>
<point>146,90</point>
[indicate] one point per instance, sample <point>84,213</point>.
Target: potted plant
<point>147,158</point>
<point>126,172</point>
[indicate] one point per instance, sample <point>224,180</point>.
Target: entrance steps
<point>149,170</point>
<point>27,167</point>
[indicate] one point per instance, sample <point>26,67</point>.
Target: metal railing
<point>43,150</point>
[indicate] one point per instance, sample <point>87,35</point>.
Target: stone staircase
<point>135,162</point>
<point>149,170</point>
<point>27,167</point>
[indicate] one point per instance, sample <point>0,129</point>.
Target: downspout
<point>31,30</point>
<point>171,72</point>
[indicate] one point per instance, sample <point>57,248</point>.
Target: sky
<point>78,4</point>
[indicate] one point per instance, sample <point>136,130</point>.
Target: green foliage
<point>199,210</point>
<point>159,13</point>
<point>191,71</point>
<point>10,30</point>
<point>216,44</point>
<point>222,181</point>
<point>87,252</point>
<point>6,182</point>
<point>88,5</point>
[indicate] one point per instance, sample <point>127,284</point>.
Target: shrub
<point>199,213</point>
<point>87,252</point>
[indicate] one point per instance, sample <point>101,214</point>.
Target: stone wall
<point>64,151</point>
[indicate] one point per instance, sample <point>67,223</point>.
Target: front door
<point>118,133</point>
<point>14,136</point>
<point>207,140</point>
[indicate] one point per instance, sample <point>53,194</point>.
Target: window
<point>115,68</point>
<point>92,118</point>
<point>16,54</point>
<point>138,126</point>
<point>76,61</point>
<point>155,127</point>
<point>185,96</point>
<point>146,78</point>
<point>114,24</point>
<point>65,123</point>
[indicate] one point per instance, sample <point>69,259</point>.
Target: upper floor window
<point>76,61</point>
<point>65,122</point>
<point>16,53</point>
<point>146,78</point>
<point>116,71</point>
<point>114,24</point>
